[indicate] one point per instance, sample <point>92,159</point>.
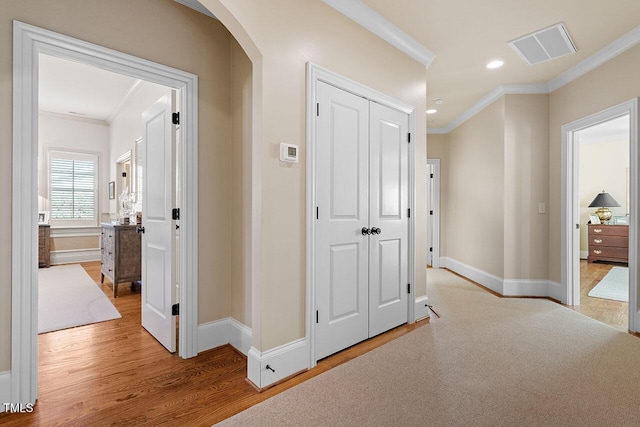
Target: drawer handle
<point>597,240</point>
<point>597,230</point>
<point>597,252</point>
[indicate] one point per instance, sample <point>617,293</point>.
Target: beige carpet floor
<point>487,361</point>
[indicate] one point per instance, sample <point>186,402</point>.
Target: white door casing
<point>158,239</point>
<point>28,42</point>
<point>342,211</point>
<point>570,236</point>
<point>361,219</point>
<point>388,216</point>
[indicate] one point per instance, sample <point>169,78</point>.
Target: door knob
<point>375,230</point>
<point>140,230</point>
<point>365,231</point>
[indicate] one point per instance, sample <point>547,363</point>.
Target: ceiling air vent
<point>543,45</point>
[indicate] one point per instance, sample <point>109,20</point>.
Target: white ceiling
<point>71,88</point>
<point>465,35</point>
<point>610,131</point>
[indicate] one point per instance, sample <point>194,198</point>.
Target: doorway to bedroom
<point>604,218</point>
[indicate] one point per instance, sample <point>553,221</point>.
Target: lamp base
<point>604,214</point>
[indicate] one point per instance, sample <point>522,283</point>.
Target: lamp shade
<point>604,200</point>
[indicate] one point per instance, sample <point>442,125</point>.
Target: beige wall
<point>526,183</point>
<point>610,84</point>
<point>475,199</point>
<point>293,34</point>
<point>603,166</point>
<point>240,206</point>
<point>126,128</point>
<point>437,148</point>
<point>165,32</point>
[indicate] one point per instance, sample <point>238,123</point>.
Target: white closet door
<point>342,194</point>
<point>389,167</point>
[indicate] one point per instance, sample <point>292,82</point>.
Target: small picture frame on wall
<point>43,218</point>
<point>112,190</point>
<point>593,219</point>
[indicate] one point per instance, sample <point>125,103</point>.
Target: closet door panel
<point>389,168</point>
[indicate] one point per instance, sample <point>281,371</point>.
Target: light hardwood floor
<point>613,313</point>
<point>115,373</point>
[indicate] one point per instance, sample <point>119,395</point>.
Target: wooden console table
<point>44,241</point>
<point>608,243</point>
<point>121,249</point>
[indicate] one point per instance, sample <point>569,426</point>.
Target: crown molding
<point>197,6</point>
<point>73,118</point>
<point>135,88</point>
<point>605,54</point>
<point>380,26</point>
<point>609,52</point>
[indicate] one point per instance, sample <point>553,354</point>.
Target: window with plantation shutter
<point>72,188</point>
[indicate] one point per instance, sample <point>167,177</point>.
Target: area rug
<point>614,286</point>
<point>68,297</point>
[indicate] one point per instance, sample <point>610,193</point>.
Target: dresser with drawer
<point>608,243</point>
<point>121,254</point>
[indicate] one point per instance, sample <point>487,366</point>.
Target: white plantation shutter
<point>72,188</point>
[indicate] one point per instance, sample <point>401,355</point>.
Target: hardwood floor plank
<point>114,373</point>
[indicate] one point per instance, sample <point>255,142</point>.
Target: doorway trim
<point>28,42</point>
<point>435,241</point>
<point>317,74</point>
<point>570,232</point>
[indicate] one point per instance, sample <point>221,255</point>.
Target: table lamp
<point>603,201</point>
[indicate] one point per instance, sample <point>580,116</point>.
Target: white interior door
<point>430,218</point>
<point>342,211</point>
<point>388,218</point>
<point>158,240</point>
<point>361,219</point>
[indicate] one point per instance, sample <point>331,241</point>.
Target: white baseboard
<point>584,254</point>
<point>487,280</point>
<point>283,362</point>
<point>5,388</point>
<point>74,256</point>
<point>506,287</point>
<point>531,288</point>
<point>239,336</point>
<point>420,309</point>
<point>222,332</point>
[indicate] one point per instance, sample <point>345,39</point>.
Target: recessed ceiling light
<point>432,111</point>
<point>495,64</point>
<point>439,101</point>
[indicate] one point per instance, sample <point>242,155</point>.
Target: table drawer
<point>604,240</point>
<point>605,252</point>
<point>611,230</point>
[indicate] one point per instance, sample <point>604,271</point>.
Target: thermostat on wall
<point>288,153</point>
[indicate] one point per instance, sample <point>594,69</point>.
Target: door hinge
<point>409,213</point>
<point>175,118</point>
<point>430,212</point>
<point>317,212</point>
<point>408,288</point>
<point>175,213</point>
<point>430,249</point>
<point>316,316</point>
<point>175,309</point>
<point>577,226</point>
<point>318,109</point>
<point>409,137</point>
<point>431,176</point>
